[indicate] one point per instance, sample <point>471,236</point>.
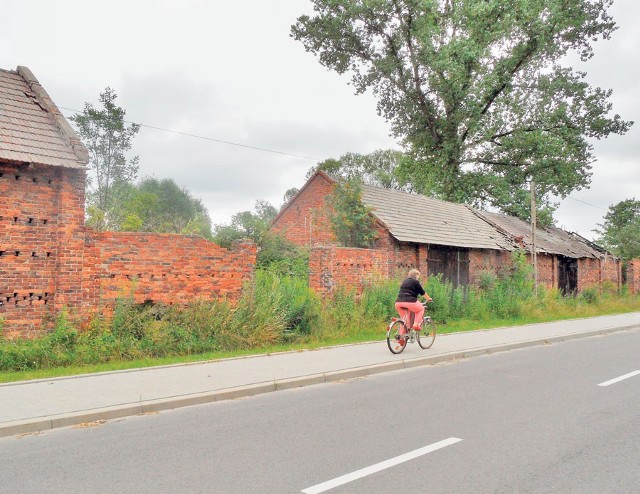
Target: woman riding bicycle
<point>410,290</point>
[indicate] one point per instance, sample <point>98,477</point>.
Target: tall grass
<point>279,311</point>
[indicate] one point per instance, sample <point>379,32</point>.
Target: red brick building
<point>49,260</point>
<point>436,237</point>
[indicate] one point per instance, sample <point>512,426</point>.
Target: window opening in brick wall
<point>33,254</point>
<point>15,219</point>
<point>30,221</point>
<point>17,253</point>
<point>2,253</point>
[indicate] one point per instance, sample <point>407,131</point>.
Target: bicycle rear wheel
<point>427,335</point>
<point>396,337</point>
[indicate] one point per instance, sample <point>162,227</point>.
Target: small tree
<point>107,138</point>
<point>352,222</point>
<point>620,232</point>
<point>246,224</point>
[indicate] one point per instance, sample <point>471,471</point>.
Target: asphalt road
<point>530,420</point>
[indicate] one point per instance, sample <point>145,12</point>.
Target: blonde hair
<point>414,273</point>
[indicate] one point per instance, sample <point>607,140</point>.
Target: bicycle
<point>400,332</point>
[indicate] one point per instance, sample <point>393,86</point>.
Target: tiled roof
<point>549,240</point>
<point>420,219</point>
<point>32,129</point>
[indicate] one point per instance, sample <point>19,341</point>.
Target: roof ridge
<point>65,130</point>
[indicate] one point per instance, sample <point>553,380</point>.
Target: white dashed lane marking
<point>358,474</point>
<point>621,378</point>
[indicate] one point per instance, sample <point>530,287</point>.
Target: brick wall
<point>595,272</point>
<point>49,260</point>
<point>165,268</point>
<point>331,268</point>
<point>487,260</point>
<point>633,276</point>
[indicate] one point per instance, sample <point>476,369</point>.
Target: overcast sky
<point>229,71</point>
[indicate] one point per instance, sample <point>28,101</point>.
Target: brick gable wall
<point>41,243</point>
<point>304,221</point>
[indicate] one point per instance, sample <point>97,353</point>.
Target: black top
<point>409,290</point>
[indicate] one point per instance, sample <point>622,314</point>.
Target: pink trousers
<point>416,307</point>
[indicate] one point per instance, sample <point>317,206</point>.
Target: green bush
<point>589,295</point>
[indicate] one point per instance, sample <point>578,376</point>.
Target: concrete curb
<point>74,418</point>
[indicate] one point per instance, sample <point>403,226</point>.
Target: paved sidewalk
<point>50,403</point>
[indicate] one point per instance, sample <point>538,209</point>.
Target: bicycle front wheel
<point>427,335</point>
<point>396,337</point>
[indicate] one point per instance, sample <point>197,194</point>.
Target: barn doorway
<point>567,275</point>
<point>451,262</point>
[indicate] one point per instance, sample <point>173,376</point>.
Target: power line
<point>255,148</point>
<point>587,203</point>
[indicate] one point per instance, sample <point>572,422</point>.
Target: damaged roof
<point>32,129</point>
<point>550,240</point>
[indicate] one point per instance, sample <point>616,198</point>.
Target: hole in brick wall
<point>17,252</point>
<point>48,254</point>
<point>18,177</point>
<point>34,180</point>
<point>44,222</point>
<point>30,220</point>
<point>15,219</point>
<point>49,181</point>
<point>2,253</point>
<point>1,174</point>
<point>33,254</point>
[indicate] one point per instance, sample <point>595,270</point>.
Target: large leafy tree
<point>475,88</point>
<point>620,232</point>
<point>108,139</point>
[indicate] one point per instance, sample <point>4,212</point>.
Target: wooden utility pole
<point>534,254</point>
